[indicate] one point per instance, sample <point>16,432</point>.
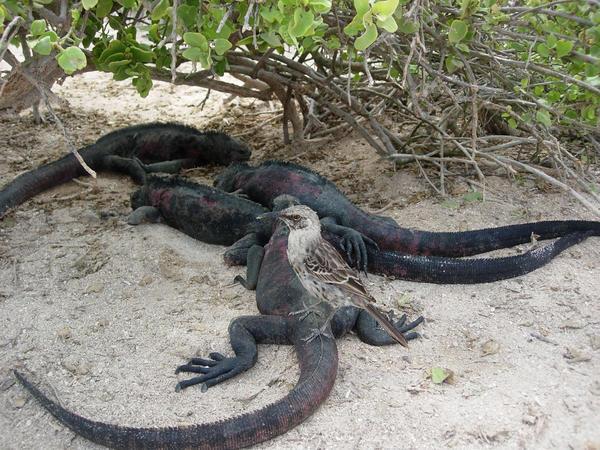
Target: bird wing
<point>327,266</point>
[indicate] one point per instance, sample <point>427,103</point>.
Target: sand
<point>101,313</point>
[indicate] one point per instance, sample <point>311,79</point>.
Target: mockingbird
<point>324,273</point>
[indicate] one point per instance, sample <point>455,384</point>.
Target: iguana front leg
<point>130,166</point>
<point>237,253</point>
<point>244,335</point>
<point>144,214</point>
<point>353,242</point>
<point>173,166</point>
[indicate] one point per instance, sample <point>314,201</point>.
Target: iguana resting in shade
<point>216,217</point>
<point>135,150</point>
<point>279,293</point>
<point>269,180</point>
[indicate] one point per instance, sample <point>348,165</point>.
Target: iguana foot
<point>215,370</point>
<point>355,243</point>
<point>403,327</point>
<point>241,280</point>
<point>144,214</point>
<point>306,310</point>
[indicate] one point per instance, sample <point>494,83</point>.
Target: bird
<point>324,273</point>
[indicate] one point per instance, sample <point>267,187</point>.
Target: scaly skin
<point>133,150</point>
<point>265,182</point>
<point>200,211</point>
<point>279,292</point>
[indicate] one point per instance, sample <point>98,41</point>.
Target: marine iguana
<point>216,217</point>
<point>278,294</point>
<point>135,150</point>
<point>265,182</point>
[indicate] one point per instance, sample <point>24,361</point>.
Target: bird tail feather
<point>386,324</point>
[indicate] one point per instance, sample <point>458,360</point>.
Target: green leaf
<point>43,46</point>
<point>453,64</point>
<point>270,15</point>
<point>438,375</point>
<point>301,22</point>
<point>220,67</point>
<point>104,8</point>
<point>368,37</point>
<point>196,40</point>
<point>89,4</point>
<point>187,14</point>
<point>71,59</point>
<point>553,96</point>
<point>458,31</point>
<point>551,41</point>
<point>160,10</point>
<point>114,66</point>
<point>361,7</point>
<point>543,117</point>
<point>38,27</point>
<point>384,8</point>
<point>589,113</point>
<point>193,54</point>
<point>320,6</point>
<point>389,24</point>
<point>354,27</point>
<point>153,33</point>
<point>271,38</point>
<point>512,123</point>
<point>333,42</point>
<point>142,85</point>
<point>463,47</point>
<point>591,70</point>
<point>543,50</point>
<point>142,55</point>
<point>563,48</point>
<point>129,4</point>
<point>221,46</point>
<point>197,55</point>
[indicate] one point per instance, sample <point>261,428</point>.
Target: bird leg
<point>324,330</point>
<point>306,310</point>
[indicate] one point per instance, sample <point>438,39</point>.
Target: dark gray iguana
<point>271,179</point>
<point>135,150</point>
<point>278,294</point>
<point>216,217</point>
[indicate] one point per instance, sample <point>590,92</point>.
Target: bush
<point>469,81</point>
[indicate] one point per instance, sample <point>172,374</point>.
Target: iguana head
<point>224,149</point>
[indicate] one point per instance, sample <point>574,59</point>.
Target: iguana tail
<point>318,368</point>
<point>390,236</point>
<point>31,183</point>
<point>442,270</point>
